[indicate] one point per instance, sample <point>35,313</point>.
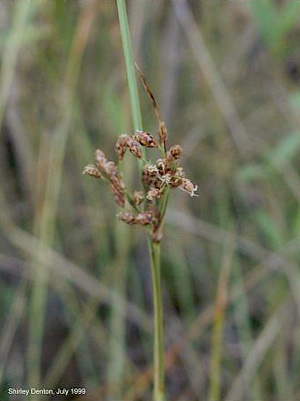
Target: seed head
<point>100,159</point>
<point>126,217</point>
<point>175,152</point>
<point>92,170</point>
<point>151,170</point>
<point>134,147</point>
<point>152,194</point>
<point>189,187</point>
<point>144,218</point>
<point>145,139</point>
<point>163,133</point>
<point>138,197</point>
<point>161,166</point>
<point>121,146</point>
<point>177,178</point>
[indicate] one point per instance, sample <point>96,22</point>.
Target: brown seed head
<point>144,218</point>
<point>175,152</point>
<point>118,196</point>
<point>188,186</point>
<point>121,146</point>
<point>152,194</point>
<point>163,133</point>
<point>138,197</point>
<point>134,147</point>
<point>126,217</point>
<point>151,170</point>
<point>161,166</point>
<point>176,179</point>
<point>145,139</point>
<point>92,170</point>
<point>100,159</point>
<point>111,170</point>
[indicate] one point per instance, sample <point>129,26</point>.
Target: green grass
<point>63,93</point>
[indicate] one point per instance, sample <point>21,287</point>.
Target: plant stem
<point>154,248</point>
<point>159,385</point>
<point>130,69</point>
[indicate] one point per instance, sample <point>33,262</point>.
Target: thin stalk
<point>159,385</point>
<point>130,67</point>
<point>154,248</point>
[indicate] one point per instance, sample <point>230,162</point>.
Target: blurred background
<point>76,293</point>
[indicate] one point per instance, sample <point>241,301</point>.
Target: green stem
<point>130,69</point>
<point>154,248</point>
<point>159,385</point>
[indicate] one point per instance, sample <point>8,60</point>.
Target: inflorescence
<point>148,205</point>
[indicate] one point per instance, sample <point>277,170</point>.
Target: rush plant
<point>147,205</point>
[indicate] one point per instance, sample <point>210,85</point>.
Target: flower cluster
<point>149,205</point>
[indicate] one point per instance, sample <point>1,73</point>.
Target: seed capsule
<point>145,139</point>
<point>92,170</point>
<point>121,146</point>
<point>134,147</point>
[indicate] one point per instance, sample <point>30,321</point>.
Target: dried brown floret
<point>161,166</point>
<point>145,139</point>
<point>144,218</point>
<point>163,133</point>
<point>175,152</point>
<point>134,147</point>
<point>100,159</point>
<point>111,170</point>
<point>126,217</point>
<point>92,170</point>
<point>151,170</point>
<point>138,197</point>
<point>152,194</point>
<point>121,146</point>
<point>177,178</point>
<point>118,196</point>
<point>188,186</point>
<point>150,174</point>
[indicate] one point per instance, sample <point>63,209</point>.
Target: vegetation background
<point>75,288</point>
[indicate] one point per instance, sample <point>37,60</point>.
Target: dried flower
<point>118,196</point>
<point>134,147</point>
<point>161,166</point>
<point>145,139</point>
<point>152,194</point>
<point>175,152</point>
<point>189,187</point>
<point>144,218</point>
<point>138,197</point>
<point>121,146</point>
<point>92,170</point>
<point>126,217</point>
<point>111,170</point>
<point>100,159</point>
<point>149,174</point>
<point>163,133</point>
<point>176,179</point>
